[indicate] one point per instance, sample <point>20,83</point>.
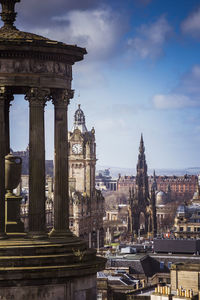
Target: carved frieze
<point>26,66</point>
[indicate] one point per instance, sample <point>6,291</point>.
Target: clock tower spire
<point>79,120</point>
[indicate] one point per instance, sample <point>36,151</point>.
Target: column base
<point>3,236</point>
<point>12,208</point>
<point>37,235</point>
<point>60,234</point>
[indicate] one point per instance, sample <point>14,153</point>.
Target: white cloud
<point>98,30</point>
<point>150,39</point>
<point>42,12</point>
<point>89,75</point>
<point>190,81</point>
<point>186,94</point>
<point>191,24</point>
<point>173,101</point>
<point>110,124</point>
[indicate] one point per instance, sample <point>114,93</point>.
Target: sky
<point>141,75</point>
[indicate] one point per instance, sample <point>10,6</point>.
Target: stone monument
<point>41,265</point>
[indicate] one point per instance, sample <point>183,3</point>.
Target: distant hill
<point>115,171</point>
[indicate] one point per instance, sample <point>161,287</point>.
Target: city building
<point>185,277</point>
<point>104,182</point>
<point>25,162</point>
<point>116,223</point>
<point>180,188</point>
<point>187,219</point>
<point>86,202</point>
<point>125,183</point>
<point>165,209</point>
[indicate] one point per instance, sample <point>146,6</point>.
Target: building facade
<point>181,188</point>
<point>86,202</point>
<point>104,182</point>
<point>187,219</point>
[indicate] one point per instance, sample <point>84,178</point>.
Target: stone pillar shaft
<point>61,169</point>
<point>98,240</point>
<point>9,98</point>
<point>37,99</point>
<point>2,161</point>
<point>90,240</point>
<point>61,197</point>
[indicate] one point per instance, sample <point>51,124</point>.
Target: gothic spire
<point>141,165</point>
<point>142,177</point>
<point>141,148</point>
<point>154,185</point>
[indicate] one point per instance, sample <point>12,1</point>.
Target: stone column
<point>2,161</point>
<point>9,98</point>
<point>98,240</point>
<point>61,195</point>
<point>37,99</point>
<point>90,240</point>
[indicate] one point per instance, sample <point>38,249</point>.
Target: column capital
<point>5,95</point>
<point>61,97</point>
<point>37,96</point>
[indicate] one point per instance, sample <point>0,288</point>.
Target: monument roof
<point>10,35</point>
<point>15,34</point>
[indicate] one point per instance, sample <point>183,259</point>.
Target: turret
<point>79,120</point>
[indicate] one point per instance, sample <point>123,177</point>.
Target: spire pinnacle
<point>141,148</point>
<point>8,14</point>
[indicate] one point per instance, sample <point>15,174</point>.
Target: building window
<point>198,229</point>
<point>181,228</point>
<point>162,265</point>
<point>168,281</point>
<point>160,279</point>
<point>169,264</point>
<point>189,229</point>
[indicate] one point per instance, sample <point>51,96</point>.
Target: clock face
<point>76,148</point>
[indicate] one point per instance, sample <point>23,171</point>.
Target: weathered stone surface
<point>81,288</point>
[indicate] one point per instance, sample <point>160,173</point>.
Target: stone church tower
<point>86,203</point>
<point>141,203</point>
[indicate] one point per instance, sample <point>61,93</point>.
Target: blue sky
<point>141,74</point>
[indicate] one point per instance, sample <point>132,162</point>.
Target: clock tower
<point>82,155</point>
<point>86,203</point>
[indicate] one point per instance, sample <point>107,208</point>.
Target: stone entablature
<point>34,66</point>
